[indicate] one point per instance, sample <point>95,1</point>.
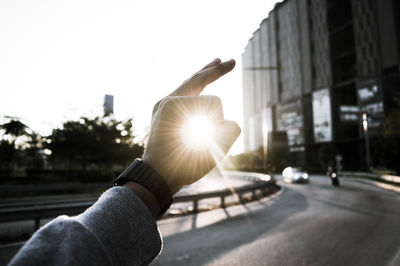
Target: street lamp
<point>366,140</point>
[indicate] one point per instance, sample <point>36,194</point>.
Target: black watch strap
<point>144,175</point>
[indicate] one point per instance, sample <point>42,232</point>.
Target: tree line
<point>86,150</point>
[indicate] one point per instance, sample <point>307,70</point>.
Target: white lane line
<point>395,261</point>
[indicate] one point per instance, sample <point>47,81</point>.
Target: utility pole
<point>366,140</point>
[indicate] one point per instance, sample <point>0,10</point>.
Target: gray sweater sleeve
<point>117,230</point>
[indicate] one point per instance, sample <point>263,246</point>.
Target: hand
<point>166,151</point>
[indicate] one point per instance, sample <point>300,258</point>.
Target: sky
<point>59,58</point>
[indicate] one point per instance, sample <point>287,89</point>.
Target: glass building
<point>311,71</point>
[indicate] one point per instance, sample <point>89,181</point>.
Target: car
<point>295,175</point>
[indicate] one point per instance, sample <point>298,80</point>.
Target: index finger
<point>195,85</point>
<point>214,62</point>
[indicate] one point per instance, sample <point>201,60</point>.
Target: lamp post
<point>366,140</point>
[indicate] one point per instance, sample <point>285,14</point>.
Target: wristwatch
<point>144,175</point>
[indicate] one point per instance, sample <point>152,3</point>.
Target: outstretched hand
<point>167,152</point>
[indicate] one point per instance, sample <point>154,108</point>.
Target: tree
<point>387,146</point>
<point>248,161</point>
<point>14,128</point>
<point>9,150</point>
<point>100,144</point>
<point>33,151</point>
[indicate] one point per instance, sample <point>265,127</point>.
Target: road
<point>314,224</point>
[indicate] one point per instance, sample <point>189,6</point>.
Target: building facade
<point>311,71</point>
<point>108,105</point>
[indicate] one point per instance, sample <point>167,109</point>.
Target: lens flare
<point>198,133</point>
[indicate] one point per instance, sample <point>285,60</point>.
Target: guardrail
<point>32,189</point>
<point>263,183</point>
<point>263,186</point>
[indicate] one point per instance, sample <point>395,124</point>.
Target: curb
<point>388,179</point>
<point>381,185</point>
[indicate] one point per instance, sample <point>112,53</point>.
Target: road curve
<point>314,224</point>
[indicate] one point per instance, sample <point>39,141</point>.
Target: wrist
<point>166,172</point>
<point>148,184</point>
<point>146,196</point>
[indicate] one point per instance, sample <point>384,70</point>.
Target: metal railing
<point>264,187</point>
<point>34,189</point>
<point>263,183</point>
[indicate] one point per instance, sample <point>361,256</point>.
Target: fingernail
<point>231,62</point>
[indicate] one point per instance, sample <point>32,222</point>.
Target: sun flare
<point>198,133</point>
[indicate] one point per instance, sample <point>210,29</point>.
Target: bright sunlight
<point>197,132</point>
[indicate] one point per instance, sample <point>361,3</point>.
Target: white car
<point>295,175</point>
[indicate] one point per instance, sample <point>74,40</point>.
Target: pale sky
<point>58,58</point>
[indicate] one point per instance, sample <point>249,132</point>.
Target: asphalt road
<point>310,224</point>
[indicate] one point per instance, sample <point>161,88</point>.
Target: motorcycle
<point>334,177</point>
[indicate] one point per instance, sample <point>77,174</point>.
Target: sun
<point>198,132</point>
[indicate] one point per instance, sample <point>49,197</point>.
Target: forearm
<point>117,230</point>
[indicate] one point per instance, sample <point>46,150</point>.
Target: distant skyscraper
<point>108,106</point>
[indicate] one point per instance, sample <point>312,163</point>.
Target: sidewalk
<point>388,182</point>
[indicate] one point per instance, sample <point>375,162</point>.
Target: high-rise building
<point>312,69</point>
<point>108,106</point>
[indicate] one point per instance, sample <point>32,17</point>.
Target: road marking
<point>396,259</point>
